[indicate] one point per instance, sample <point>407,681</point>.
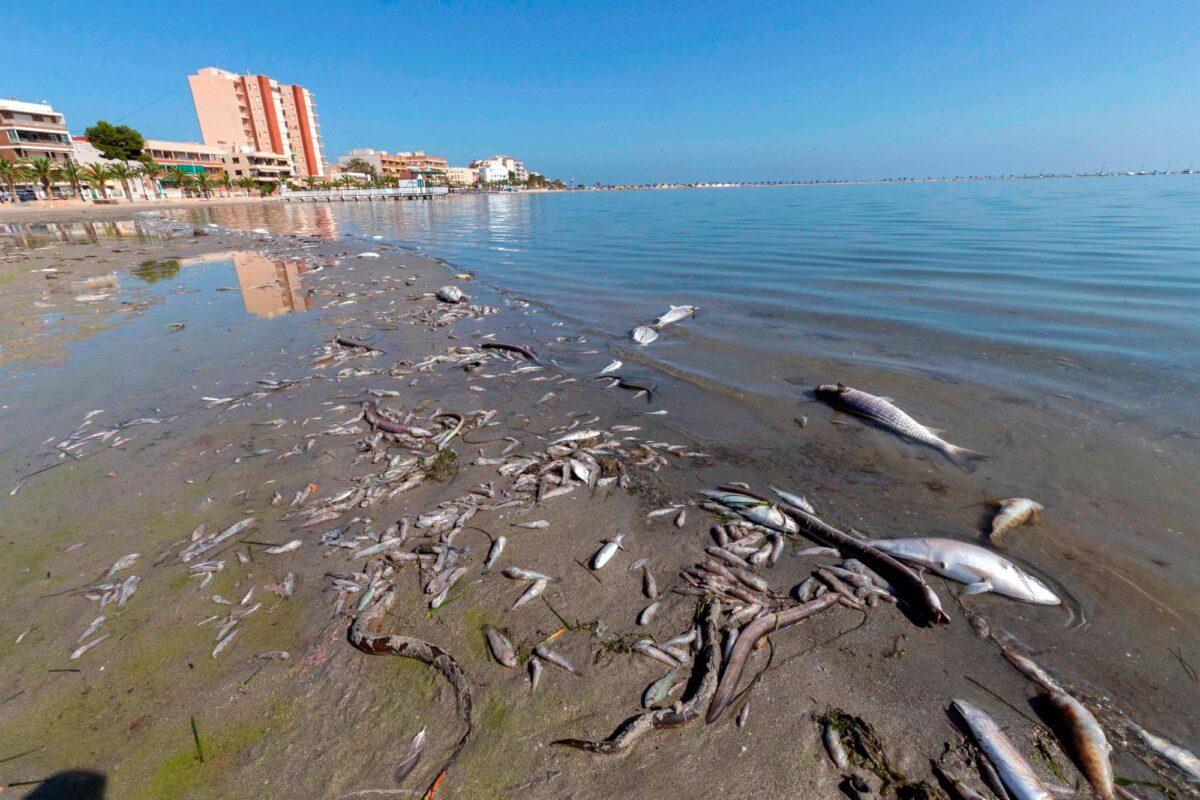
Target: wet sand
<point>330,721</point>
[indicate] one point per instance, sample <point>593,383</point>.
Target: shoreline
<point>914,671</point>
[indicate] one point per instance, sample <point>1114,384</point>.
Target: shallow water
<point>1053,325</point>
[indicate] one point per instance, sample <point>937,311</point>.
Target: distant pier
<point>357,195</point>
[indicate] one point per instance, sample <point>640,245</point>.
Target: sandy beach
<point>164,382</point>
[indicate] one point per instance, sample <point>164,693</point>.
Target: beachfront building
<point>33,130</point>
<point>190,157</point>
<point>397,165</point>
<point>500,168</point>
<point>259,113</point>
<point>462,176</point>
<point>261,165</point>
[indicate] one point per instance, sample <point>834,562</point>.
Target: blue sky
<point>648,91</point>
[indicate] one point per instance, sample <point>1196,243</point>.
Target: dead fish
<point>661,512</point>
<point>536,525</point>
<point>522,574</point>
<point>649,585</point>
<point>535,673</point>
<point>613,367</point>
<point>643,335</point>
<point>795,500</point>
<point>1185,760</point>
<point>450,294</point>
<point>605,553</point>
<point>674,314</point>
<point>221,645</point>
<point>659,690</point>
<point>979,568</point>
<point>1014,511</point>
<point>205,544</point>
<point>78,651</point>
<point>1085,741</point>
<point>494,552</point>
<point>743,715</point>
<point>95,626</point>
<point>124,562</point>
<point>501,647</point>
<point>536,588</point>
<point>411,757</point>
<point>127,589</point>
<point>294,544</point>
<point>1015,771</point>
<point>881,411</point>
<point>960,790</point>
<point>647,614</point>
<point>648,649</point>
<point>557,659</point>
<point>833,746</point>
<point>681,519</point>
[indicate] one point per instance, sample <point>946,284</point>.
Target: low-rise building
<point>500,168</point>
<point>262,166</point>
<point>33,130</point>
<point>190,157</point>
<point>462,176</point>
<point>398,165</point>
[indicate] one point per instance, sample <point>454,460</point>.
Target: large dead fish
<point>1014,512</point>
<point>979,568</point>
<point>1184,759</point>
<point>674,314</point>
<point>881,411</point>
<point>1016,773</point>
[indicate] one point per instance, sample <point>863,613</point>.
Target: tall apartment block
<point>257,113</point>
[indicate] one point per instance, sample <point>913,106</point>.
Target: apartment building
<point>498,168</point>
<point>33,130</point>
<point>462,176</point>
<point>399,165</point>
<point>259,113</point>
<point>262,166</point>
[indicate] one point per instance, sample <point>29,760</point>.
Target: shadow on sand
<point>75,784</point>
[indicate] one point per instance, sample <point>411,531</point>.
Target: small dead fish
<point>494,552</point>
<point>557,659</point>
<point>833,746</point>
<point>536,525</point>
<point>1013,512</point>
<point>605,553</point>
<point>124,562</point>
<point>501,647</point>
<point>659,690</point>
<point>522,574</point>
<point>78,651</point>
<point>743,715</point>
<point>1185,760</point>
<point>221,645</point>
<point>674,314</point>
<point>1015,771</point>
<point>535,673</point>
<point>536,588</point>
<point>95,626</point>
<point>662,512</point>
<point>613,367</point>
<point>127,589</point>
<point>795,500</point>
<point>650,650</point>
<point>412,756</point>
<point>294,544</point>
<point>643,334</point>
<point>647,614</point>
<point>681,518</point>
<point>649,585</point>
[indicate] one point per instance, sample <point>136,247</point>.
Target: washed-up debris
<point>1014,512</point>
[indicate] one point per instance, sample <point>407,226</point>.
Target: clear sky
<point>646,91</point>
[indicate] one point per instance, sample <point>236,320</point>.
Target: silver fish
<point>494,552</point>
<point>557,659</point>
<point>613,367</point>
<point>1185,760</point>
<point>647,614</point>
<point>1013,512</point>
<point>605,553</point>
<point>221,645</point>
<point>1015,772</point>
<point>648,649</point>
<point>521,574</point>
<point>881,411</point>
<point>124,562</point>
<point>127,589</point>
<point>649,585</point>
<point>643,334</point>
<point>78,651</point>
<point>833,746</point>
<point>979,568</point>
<point>674,314</point>
<point>208,543</point>
<point>658,691</point>
<point>294,544</point>
<point>536,588</point>
<point>501,647</point>
<point>95,626</point>
<point>796,500</point>
<point>535,673</point>
<point>538,525</point>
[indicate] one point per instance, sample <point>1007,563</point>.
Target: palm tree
<point>12,172</point>
<point>225,181</point>
<point>45,172</point>
<point>98,175</point>
<point>73,173</point>
<point>204,184</point>
<point>247,183</point>
<point>121,172</point>
<point>310,181</point>
<point>150,171</point>
<point>181,178</point>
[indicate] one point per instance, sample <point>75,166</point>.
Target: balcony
<point>9,121</point>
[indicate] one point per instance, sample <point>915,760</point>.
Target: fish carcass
<point>979,568</point>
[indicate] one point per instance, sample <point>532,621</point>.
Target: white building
<point>497,168</point>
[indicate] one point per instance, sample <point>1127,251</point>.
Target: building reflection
<point>270,288</point>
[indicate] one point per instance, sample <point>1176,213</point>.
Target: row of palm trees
<point>46,172</point>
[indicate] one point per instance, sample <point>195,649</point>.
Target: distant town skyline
<point>645,92</point>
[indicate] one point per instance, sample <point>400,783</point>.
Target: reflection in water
<point>305,219</point>
<point>271,288</point>
<point>36,234</point>
<point>152,271</point>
